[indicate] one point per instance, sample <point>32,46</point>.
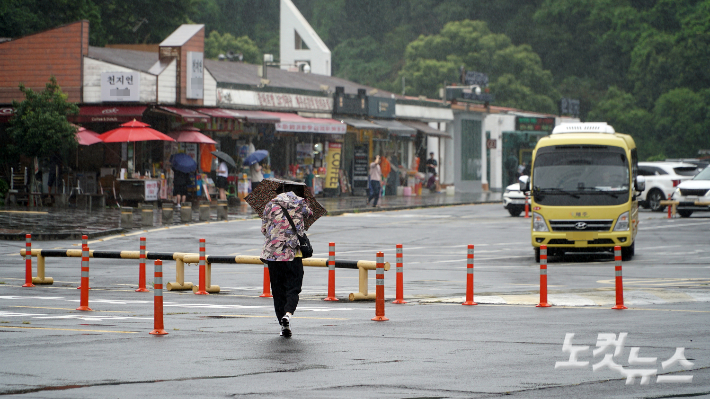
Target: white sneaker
<point>178,206</point>
<point>286,325</point>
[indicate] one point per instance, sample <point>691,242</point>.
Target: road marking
<point>28,212</point>
<point>71,329</point>
<point>95,310</point>
<point>293,317</point>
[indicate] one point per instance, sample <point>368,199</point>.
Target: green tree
<point>515,73</point>
<point>216,44</point>
<point>39,127</point>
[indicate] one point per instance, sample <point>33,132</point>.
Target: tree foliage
<point>216,44</point>
<point>39,127</point>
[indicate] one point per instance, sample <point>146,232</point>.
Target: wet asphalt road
<point>227,344</point>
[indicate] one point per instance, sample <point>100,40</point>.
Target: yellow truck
<point>583,187</point>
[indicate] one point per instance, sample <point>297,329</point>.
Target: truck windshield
<point>580,175</point>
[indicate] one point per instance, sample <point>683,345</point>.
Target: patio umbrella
<point>266,191</point>
<point>226,158</point>
<point>190,134</point>
<point>256,156</point>
<point>133,131</point>
<point>183,163</point>
<point>87,137</point>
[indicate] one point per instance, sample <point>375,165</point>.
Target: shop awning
<point>216,113</point>
<point>107,113</point>
<point>426,129</point>
<point>397,128</point>
<point>361,124</point>
<point>252,116</point>
<point>186,115</point>
<point>299,124</point>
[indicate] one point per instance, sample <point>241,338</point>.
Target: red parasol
<point>87,137</point>
<point>133,131</point>
<point>190,134</point>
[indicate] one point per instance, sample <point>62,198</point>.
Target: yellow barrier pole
<point>180,285</point>
<point>363,267</point>
<point>41,279</point>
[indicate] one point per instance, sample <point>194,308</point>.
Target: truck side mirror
<point>640,183</point>
<point>524,183</point>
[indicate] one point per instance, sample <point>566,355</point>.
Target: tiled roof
<point>138,60</point>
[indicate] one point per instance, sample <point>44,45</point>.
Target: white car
<point>514,199</point>
<point>661,180</point>
<point>692,194</point>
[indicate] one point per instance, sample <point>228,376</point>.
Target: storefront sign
<point>151,190</point>
<point>360,167</point>
<point>332,165</point>
<point>381,107</point>
<point>350,104</point>
<point>120,86</point>
<point>195,75</point>
<point>525,123</point>
<point>273,101</point>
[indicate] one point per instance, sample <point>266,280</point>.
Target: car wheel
<point>685,213</point>
<point>537,255</point>
<point>654,199</point>
<point>628,252</point>
<point>514,212</point>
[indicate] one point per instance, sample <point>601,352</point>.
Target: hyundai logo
<point>580,226</point>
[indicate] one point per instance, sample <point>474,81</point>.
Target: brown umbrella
<point>266,191</point>
<point>189,134</point>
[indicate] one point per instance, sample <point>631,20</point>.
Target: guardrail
<point>180,258</point>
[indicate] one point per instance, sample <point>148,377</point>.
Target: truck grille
<point>694,191</point>
<point>576,225</point>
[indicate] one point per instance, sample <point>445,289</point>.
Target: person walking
<point>375,179</point>
<point>281,253</point>
<point>221,181</point>
<point>256,175</point>
<point>180,182</point>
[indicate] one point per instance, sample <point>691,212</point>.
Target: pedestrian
<point>180,183</point>
<point>221,180</point>
<point>256,175</point>
<point>281,253</point>
<point>375,177</point>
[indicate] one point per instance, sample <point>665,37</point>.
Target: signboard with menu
<point>195,75</point>
<point>360,169</point>
<point>528,123</point>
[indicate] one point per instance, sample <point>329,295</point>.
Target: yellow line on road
<point>72,329</point>
<point>39,212</point>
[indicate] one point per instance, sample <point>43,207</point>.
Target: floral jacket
<point>281,243</point>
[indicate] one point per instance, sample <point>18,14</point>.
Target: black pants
<point>286,280</point>
<point>375,189</point>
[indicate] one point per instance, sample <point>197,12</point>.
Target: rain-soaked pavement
<point>53,223</point>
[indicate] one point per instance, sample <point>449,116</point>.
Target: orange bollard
<point>201,290</point>
<point>331,273</point>
<point>400,276</point>
<point>28,261</point>
<point>84,295</point>
<point>543,278</point>
<point>84,243</point>
<point>669,206</point>
<point>619,282</point>
<point>527,207</point>
<point>267,283</point>
<point>380,292</point>
<point>158,328</point>
<point>469,277</point>
<point>141,268</point>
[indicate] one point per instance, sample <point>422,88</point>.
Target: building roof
<point>139,60</point>
<point>181,35</point>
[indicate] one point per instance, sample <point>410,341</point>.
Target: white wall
<point>167,90</point>
<point>496,124</point>
<point>210,97</point>
<point>92,81</point>
<point>318,54</point>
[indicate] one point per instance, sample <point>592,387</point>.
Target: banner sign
<point>333,165</point>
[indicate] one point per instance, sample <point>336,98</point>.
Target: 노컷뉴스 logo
<point>647,366</point>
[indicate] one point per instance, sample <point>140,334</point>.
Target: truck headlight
<point>622,223</point>
<point>538,222</point>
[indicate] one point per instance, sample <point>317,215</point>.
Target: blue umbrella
<point>183,163</point>
<point>256,156</point>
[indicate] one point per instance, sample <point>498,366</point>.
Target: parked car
<point>514,199</point>
<point>690,192</point>
<point>661,180</point>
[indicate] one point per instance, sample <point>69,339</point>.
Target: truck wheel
<point>537,255</point>
<point>685,213</point>
<point>654,199</point>
<point>628,252</point>
<point>514,212</point>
